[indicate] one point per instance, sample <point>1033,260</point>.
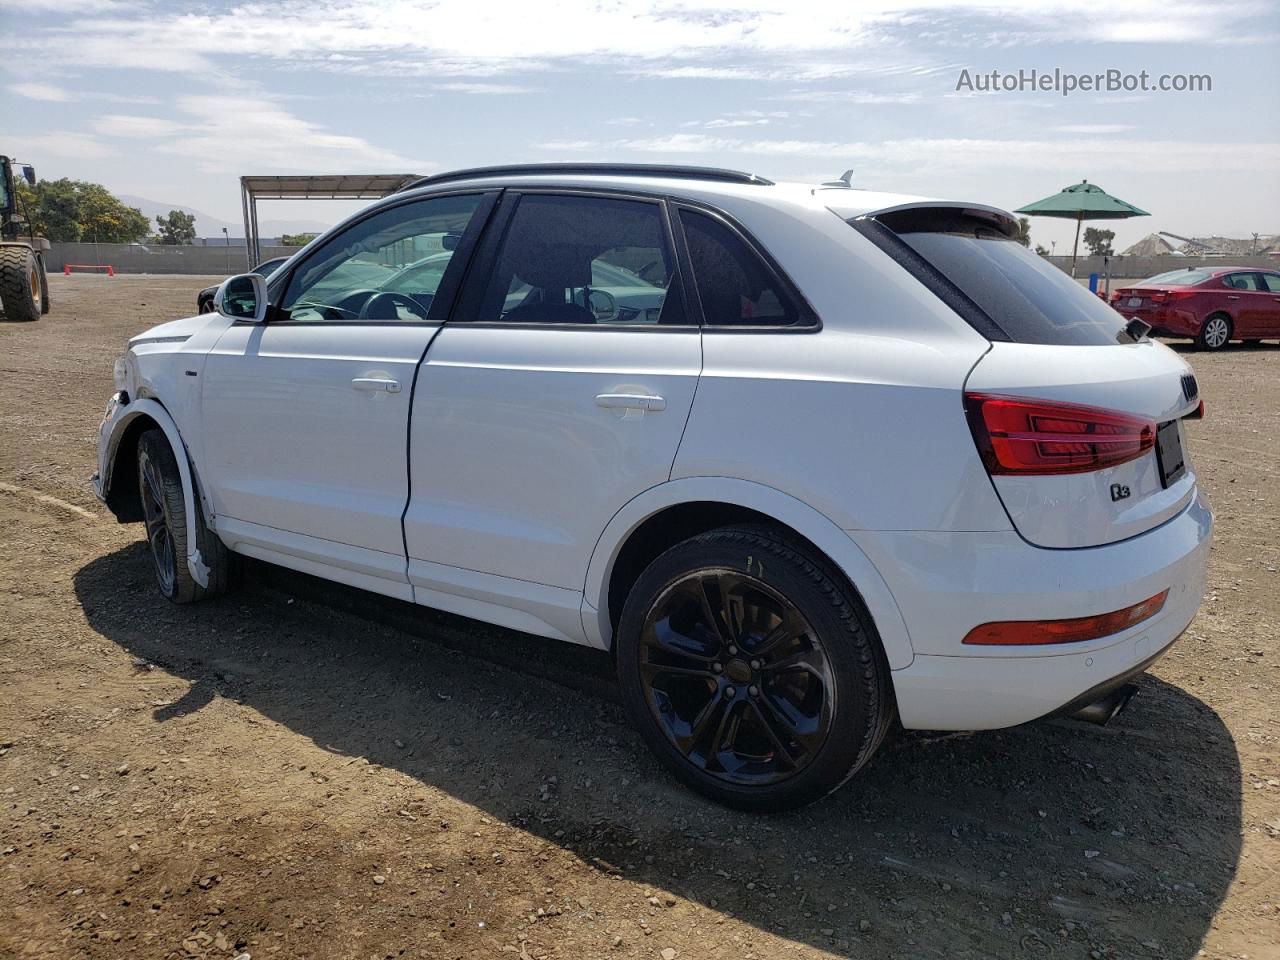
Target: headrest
<point>552,266</point>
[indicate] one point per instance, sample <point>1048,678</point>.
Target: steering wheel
<point>392,299</point>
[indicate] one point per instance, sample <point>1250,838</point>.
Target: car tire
<point>205,305</point>
<point>165,518</point>
<point>45,303</point>
<point>776,692</point>
<point>1215,332</point>
<point>21,289</point>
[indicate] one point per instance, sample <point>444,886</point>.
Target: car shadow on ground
<point>1053,839</point>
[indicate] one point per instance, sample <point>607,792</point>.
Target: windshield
<point>1022,293</point>
<point>1177,278</point>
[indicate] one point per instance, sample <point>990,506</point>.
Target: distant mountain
<point>1233,247</point>
<point>211,227</point>
<point>1152,245</point>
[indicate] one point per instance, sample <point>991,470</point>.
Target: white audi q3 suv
<point>803,458</point>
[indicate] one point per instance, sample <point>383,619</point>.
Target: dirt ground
<point>295,771</point>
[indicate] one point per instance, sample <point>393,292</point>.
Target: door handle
<point>376,385</point>
<point>631,401</point>
<point>1232,296</point>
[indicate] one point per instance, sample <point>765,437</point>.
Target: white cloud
<point>59,143</point>
<point>954,154</point>
<point>40,91</point>
<point>483,88</point>
<point>230,134</point>
<point>1093,128</point>
<point>239,134</point>
<point>123,125</point>
<point>662,38</point>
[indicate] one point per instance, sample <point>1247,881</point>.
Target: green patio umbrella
<point>1080,202</point>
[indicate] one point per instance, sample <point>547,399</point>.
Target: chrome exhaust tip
<point>1104,710</point>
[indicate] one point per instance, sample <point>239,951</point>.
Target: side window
<point>384,269</point>
<point>1272,281</point>
<point>734,285</point>
<point>573,259</point>
<point>1241,281</point>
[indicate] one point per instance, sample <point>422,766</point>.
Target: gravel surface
<point>296,770</point>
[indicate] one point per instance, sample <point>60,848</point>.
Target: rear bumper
<point>1166,321</point>
<point>946,584</point>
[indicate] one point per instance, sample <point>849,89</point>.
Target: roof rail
<point>672,171</point>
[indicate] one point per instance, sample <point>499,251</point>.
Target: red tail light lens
<point>1033,632</point>
<point>1016,435</point>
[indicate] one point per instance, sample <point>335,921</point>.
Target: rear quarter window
<point>1020,293</point>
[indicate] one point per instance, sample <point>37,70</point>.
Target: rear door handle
<point>631,401</point>
<point>1232,296</point>
<point>376,385</point>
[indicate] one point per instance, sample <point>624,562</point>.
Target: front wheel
<point>1214,332</point>
<point>164,513</point>
<point>751,670</point>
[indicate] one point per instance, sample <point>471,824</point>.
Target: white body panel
<point>1076,510</point>
<point>952,687</point>
<point>299,438</point>
<point>516,467</point>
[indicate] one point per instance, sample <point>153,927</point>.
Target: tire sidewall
<point>21,300</point>
<point>154,448</point>
<point>851,649</point>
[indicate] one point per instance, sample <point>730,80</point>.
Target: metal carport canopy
<point>340,186</point>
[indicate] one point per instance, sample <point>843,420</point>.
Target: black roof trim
<point>673,171</point>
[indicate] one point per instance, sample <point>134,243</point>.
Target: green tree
<point>53,207</point>
<point>1098,241</point>
<point>1023,236</point>
<point>297,239</point>
<point>1042,250</point>
<point>69,210</point>
<point>104,219</point>
<point>177,227</point>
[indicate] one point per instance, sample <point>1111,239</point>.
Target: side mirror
<point>29,174</point>
<point>242,298</point>
<point>603,305</point>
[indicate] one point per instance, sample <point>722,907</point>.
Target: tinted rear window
<point>1022,293</point>
<point>1177,278</point>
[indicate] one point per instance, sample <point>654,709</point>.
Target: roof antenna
<point>846,181</point>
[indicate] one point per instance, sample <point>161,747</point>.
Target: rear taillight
<point>1034,632</point>
<point>1016,435</point>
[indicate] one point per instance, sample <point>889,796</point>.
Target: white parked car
<point>804,458</point>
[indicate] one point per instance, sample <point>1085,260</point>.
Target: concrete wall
<point>136,258</point>
<point>1136,268</point>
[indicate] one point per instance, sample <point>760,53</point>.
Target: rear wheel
<point>1214,332</point>
<point>751,670</point>
<point>21,287</point>
<point>164,513</point>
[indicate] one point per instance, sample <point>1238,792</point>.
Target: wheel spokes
<point>736,677</point>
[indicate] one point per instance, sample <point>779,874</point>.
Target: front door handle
<point>1232,296</point>
<point>631,401</point>
<point>376,385</point>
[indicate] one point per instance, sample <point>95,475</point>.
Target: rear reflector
<point>1038,632</point>
<point>1017,435</point>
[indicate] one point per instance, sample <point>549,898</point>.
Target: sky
<point>173,101</point>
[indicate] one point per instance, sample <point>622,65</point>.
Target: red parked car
<point>1211,305</point>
